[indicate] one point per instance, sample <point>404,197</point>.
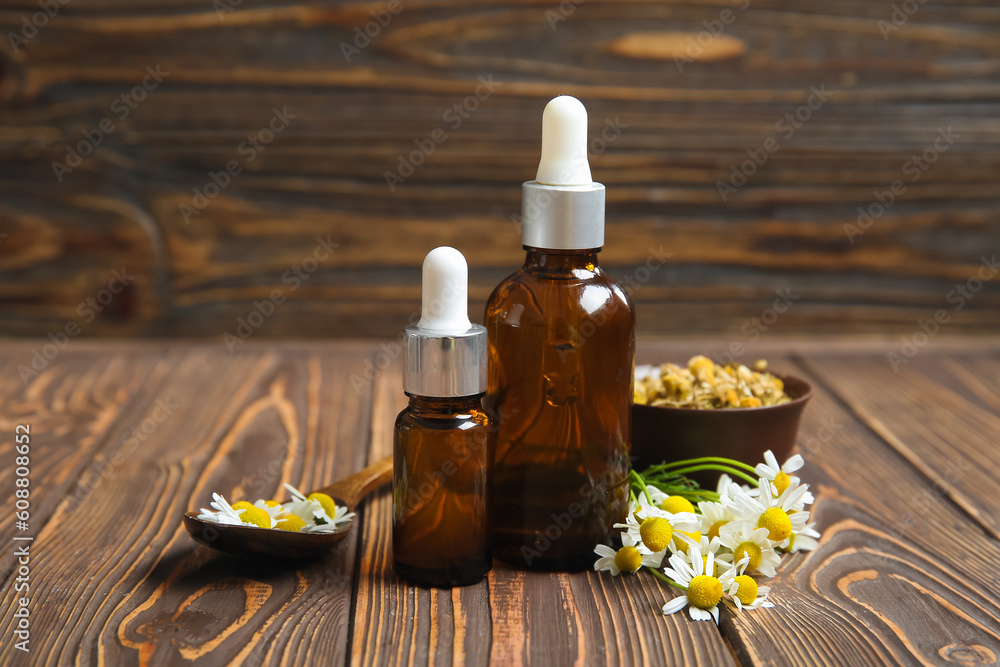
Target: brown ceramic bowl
<point>672,434</point>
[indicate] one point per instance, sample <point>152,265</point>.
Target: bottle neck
<point>556,262</point>
<point>443,407</point>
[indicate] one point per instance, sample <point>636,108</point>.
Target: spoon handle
<point>354,488</point>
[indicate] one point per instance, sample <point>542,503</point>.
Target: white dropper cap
<point>445,354</point>
<point>563,208</point>
<point>445,297</point>
<point>564,143</point>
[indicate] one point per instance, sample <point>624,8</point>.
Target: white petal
<point>653,560</point>
<point>772,461</point>
<point>699,614</point>
<point>697,564</point>
<point>677,577</point>
<point>674,605</point>
<point>791,496</point>
<point>804,543</point>
<point>715,613</point>
<point>793,464</point>
<point>604,550</point>
<point>295,492</point>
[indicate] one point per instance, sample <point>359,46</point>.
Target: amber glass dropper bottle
<point>443,444</point>
<point>562,354</point>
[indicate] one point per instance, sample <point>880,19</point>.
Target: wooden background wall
<point>892,86</point>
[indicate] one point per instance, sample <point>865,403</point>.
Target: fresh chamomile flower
<point>713,517</point>
<point>252,515</point>
<point>706,546</point>
<point>224,514</point>
<point>272,507</point>
<point>651,529</point>
<point>684,538</point>
<point>726,487</point>
<point>313,512</point>
<point>702,591</point>
<point>781,515</point>
<point>779,475</point>
<point>744,591</point>
<point>668,503</point>
<point>627,559</point>
<point>677,505</point>
<point>751,543</point>
<point>804,540</point>
<point>656,496</point>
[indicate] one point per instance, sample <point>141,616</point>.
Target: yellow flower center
<point>704,591</point>
<point>675,504</point>
<point>751,550</point>
<point>272,503</point>
<point>682,545</point>
<point>326,501</point>
<point>747,592</point>
<point>713,531</point>
<point>292,523</point>
<point>656,533</point>
<point>628,559</point>
<point>781,482</point>
<point>242,505</point>
<point>778,525</point>
<point>255,516</point>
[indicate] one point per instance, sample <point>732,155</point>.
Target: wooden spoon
<point>273,543</point>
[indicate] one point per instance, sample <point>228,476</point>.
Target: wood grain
<point>903,574</point>
<point>75,400</point>
<point>325,173</point>
<point>149,595</point>
<point>948,439</point>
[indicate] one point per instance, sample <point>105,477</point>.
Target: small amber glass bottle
<point>443,443</point>
<point>562,357</point>
<point>441,528</point>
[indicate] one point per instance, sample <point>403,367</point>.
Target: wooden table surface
<point>125,437</point>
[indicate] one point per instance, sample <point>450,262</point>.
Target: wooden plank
<point>687,130</point>
<point>138,589</point>
<point>70,406</point>
<point>948,439</point>
<point>975,377</point>
<point>516,617</point>
<point>901,575</point>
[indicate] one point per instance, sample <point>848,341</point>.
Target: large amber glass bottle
<point>562,353</point>
<point>562,349</point>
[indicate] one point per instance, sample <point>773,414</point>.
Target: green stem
<point>664,577</point>
<point>706,459</point>
<point>695,494</point>
<point>642,484</point>
<point>715,467</point>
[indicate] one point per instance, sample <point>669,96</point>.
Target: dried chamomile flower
<point>703,384</point>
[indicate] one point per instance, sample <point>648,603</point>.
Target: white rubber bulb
<point>445,298</point>
<point>564,143</point>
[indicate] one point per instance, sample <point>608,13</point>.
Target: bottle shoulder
<point>587,291</point>
<point>409,418</point>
